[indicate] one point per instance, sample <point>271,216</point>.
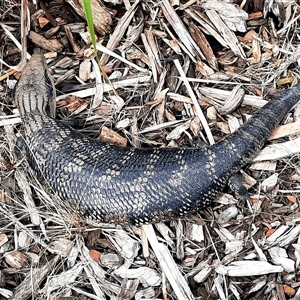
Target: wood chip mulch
<point>180,71</point>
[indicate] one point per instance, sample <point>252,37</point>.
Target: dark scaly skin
<point>128,185</point>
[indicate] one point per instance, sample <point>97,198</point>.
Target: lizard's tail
<point>244,143</point>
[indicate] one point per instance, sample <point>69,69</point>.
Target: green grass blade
<point>89,19</point>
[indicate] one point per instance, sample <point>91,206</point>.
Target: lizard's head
<point>35,90</point>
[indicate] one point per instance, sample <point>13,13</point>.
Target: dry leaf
<point>270,231</point>
<point>292,198</point>
<point>16,259</point>
<point>112,137</point>
<point>95,255</point>
<point>288,290</point>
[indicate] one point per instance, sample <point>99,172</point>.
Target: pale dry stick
<point>278,151</point>
<point>155,50</point>
<point>180,98</point>
<point>60,213</point>
<point>62,280</point>
<point>94,284</point>
<point>19,46</point>
<point>134,32</point>
<point>234,18</point>
<point>191,79</point>
<point>284,130</point>
<point>169,267</point>
<point>284,28</point>
<point>31,208</point>
<point>24,32</point>
<point>127,4</point>
<point>106,87</point>
<point>292,58</point>
<point>33,279</point>
<point>203,22</point>
<point>9,141</point>
<point>6,293</point>
<point>288,236</point>
<point>161,82</point>
<point>161,126</point>
<point>226,33</point>
<point>177,46</point>
<point>119,32</point>
<point>195,102</point>
<point>217,255</point>
<point>259,251</point>
<point>248,268</point>
<point>10,120</point>
<point>150,56</point>
<point>219,287</point>
<point>124,60</point>
<point>181,31</point>
<point>98,95</point>
<point>4,210</point>
<point>86,259</point>
<point>243,4</point>
<point>102,17</point>
<point>213,93</point>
